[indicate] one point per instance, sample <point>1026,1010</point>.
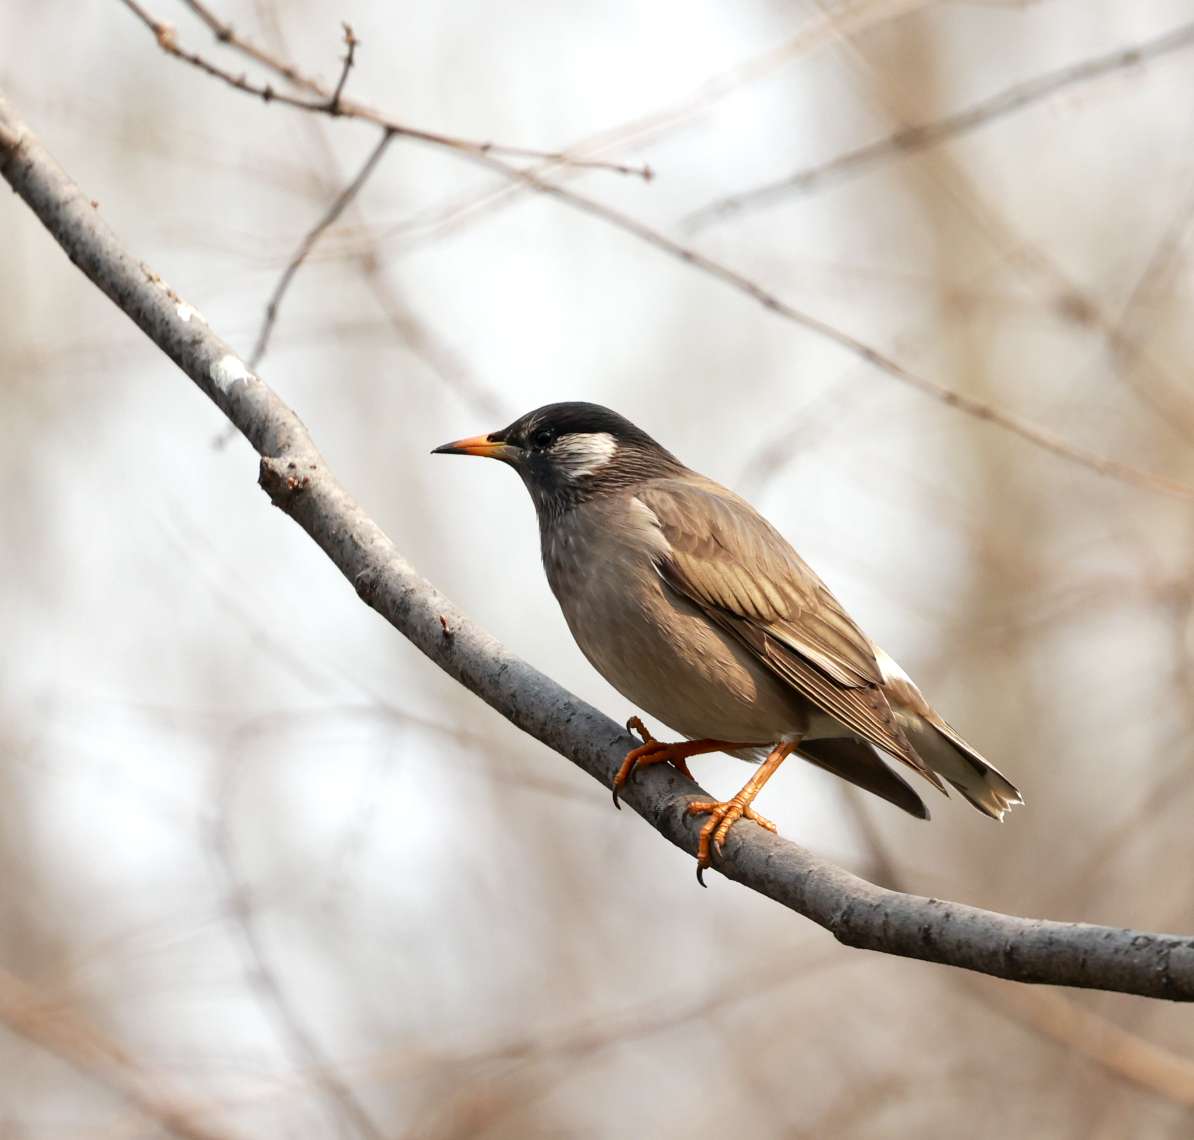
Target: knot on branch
<point>367,583</point>
<point>282,480</point>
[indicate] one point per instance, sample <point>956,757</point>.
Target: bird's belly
<point>666,657</point>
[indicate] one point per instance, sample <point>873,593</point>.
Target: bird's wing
<point>726,558</point>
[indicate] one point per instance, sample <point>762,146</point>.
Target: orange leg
<point>653,751</point>
<point>724,814</point>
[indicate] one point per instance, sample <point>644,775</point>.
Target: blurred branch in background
<point>313,235</point>
<point>1038,436</point>
<point>412,331</point>
<point>1166,394</point>
<point>265,981</point>
<point>851,17</point>
<point>53,1024</point>
<point>297,480</point>
<point>909,139</point>
<point>1163,392</point>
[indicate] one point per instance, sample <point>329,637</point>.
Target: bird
<point>702,615</point>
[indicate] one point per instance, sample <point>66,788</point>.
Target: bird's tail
<point>859,763</point>
<point>947,754</point>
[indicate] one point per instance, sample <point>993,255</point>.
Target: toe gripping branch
<point>723,814</point>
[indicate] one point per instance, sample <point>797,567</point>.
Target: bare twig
<point>1038,436</point>
<point>413,333</point>
<point>226,34</point>
<point>817,30</point>
<point>298,481</point>
<point>1170,399</point>
<point>52,1024</point>
<point>301,1043</point>
<point>350,55</point>
<point>332,102</point>
<point>1071,299</point>
<point>920,136</point>
<point>312,236</point>
<point>1118,1051</point>
<point>425,343</point>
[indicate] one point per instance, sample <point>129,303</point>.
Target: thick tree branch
<point>293,472</point>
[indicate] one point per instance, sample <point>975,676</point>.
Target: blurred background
<point>265,872</point>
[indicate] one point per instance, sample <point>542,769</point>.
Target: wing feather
<point>725,557</point>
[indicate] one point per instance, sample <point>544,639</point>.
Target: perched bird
<point>698,611</point>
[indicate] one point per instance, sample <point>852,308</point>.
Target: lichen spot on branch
<point>227,372</point>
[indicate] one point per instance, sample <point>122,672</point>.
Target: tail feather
<point>860,764</point>
<point>947,754</point>
<point>940,749</point>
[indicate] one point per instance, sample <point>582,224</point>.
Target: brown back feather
<point>727,559</point>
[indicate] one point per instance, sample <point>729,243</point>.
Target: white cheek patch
<point>582,453</point>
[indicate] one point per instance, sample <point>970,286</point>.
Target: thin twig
<point>1039,436</point>
<point>296,477</point>
<point>350,54</point>
<point>57,1027</point>
<point>991,413</point>
<point>332,102</point>
<point>1072,300</point>
<point>914,138</point>
<point>305,246</point>
<point>819,29</point>
<point>226,34</point>
<point>413,333</point>
<point>301,1043</point>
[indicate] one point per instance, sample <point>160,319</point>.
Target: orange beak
<point>478,445</point>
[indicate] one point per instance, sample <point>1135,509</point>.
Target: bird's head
<point>567,453</point>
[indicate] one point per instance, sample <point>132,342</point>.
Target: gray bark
<point>298,481</point>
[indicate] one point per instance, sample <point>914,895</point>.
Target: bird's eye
<point>542,438</point>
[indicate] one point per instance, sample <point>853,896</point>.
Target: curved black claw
<point>701,875</point>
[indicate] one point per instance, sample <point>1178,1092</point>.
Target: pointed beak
<point>478,445</point>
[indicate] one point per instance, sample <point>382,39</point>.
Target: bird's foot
<point>677,754</point>
<point>651,751</point>
<point>723,814</point>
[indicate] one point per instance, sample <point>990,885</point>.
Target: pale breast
<point>653,646</point>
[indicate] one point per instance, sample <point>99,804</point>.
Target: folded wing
<point>723,556</point>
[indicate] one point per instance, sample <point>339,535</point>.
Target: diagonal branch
<point>486,156</point>
<point>923,135</point>
<point>847,17</point>
<point>51,1023</point>
<point>294,474</point>
<point>338,206</point>
<point>266,983</point>
<point>333,102</point>
<point>1038,436</point>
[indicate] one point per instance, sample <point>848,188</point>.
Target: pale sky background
<point>189,684</point>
